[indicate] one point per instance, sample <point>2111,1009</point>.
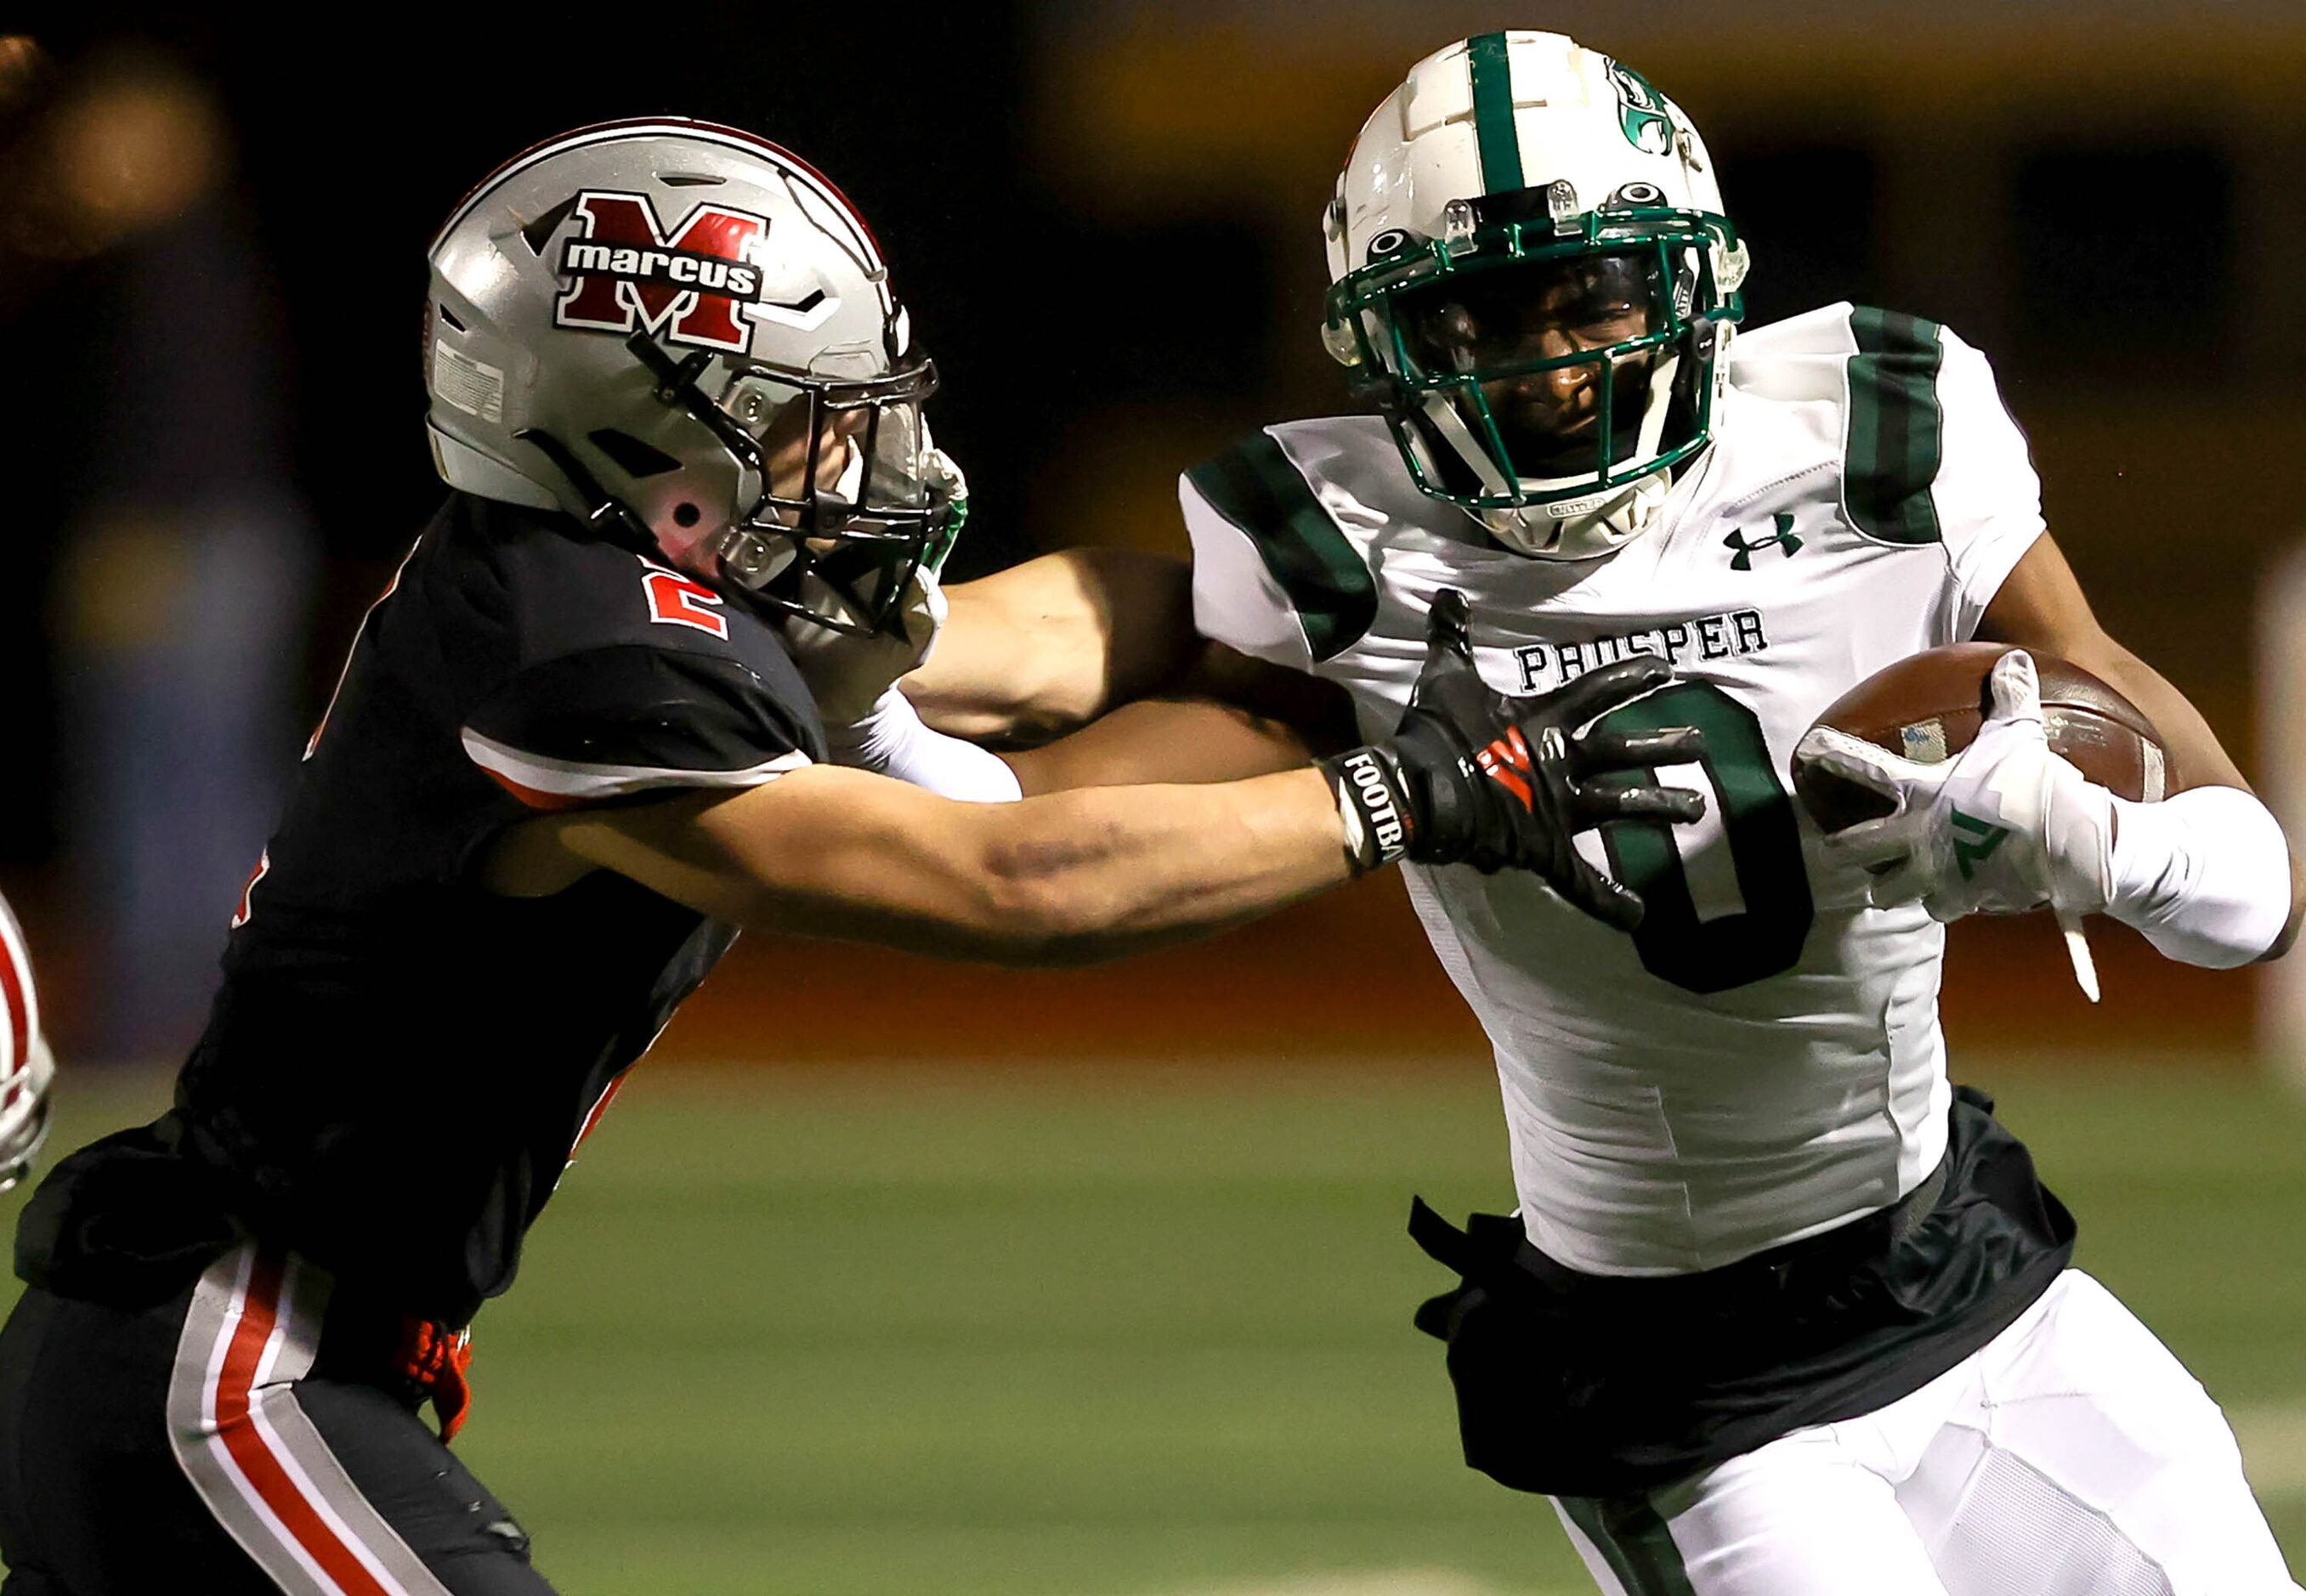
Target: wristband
<point>1374,804</point>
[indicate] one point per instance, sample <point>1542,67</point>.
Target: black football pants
<point>208,1443</point>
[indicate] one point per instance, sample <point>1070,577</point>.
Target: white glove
<point>2004,827</point>
<point>847,674</point>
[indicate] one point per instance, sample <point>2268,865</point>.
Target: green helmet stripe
<point>1494,117</point>
<point>1896,427</point>
<point>1253,485</point>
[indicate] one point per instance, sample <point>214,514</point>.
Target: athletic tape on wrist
<point>1373,804</point>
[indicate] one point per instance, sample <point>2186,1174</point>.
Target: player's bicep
<point>821,852</point>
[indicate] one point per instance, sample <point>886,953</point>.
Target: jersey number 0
<point>1712,935</point>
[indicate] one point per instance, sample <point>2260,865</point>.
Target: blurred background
<point>1094,1281</point>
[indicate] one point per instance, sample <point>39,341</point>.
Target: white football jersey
<point>1753,1065</point>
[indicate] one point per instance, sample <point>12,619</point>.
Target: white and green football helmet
<point>1531,274</point>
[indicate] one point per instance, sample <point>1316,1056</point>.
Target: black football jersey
<point>399,1063</point>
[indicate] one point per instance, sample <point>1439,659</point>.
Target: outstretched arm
<point>1467,776</point>
<point>1048,646</point>
<point>1068,879</point>
<point>1096,649</point>
<point>1226,717</point>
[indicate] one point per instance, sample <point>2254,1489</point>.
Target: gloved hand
<point>1474,776</point>
<point>2005,826</point>
<point>848,674</point>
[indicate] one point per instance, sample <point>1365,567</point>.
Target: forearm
<point>1166,741</point>
<point>1048,646</point>
<point>2205,875</point>
<point>1106,871</point>
<point>2211,881</point>
<point>1067,879</point>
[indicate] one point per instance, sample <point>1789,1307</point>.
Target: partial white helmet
<point>684,335</point>
<point>1531,274</point>
<point>27,1072</point>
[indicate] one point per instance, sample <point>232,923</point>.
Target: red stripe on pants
<point>236,1428</point>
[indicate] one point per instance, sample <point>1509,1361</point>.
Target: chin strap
<point>1587,536</point>
<point>610,516</point>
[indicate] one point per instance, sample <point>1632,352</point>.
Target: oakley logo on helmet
<point>626,267</point>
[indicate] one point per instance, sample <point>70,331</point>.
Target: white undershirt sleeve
<point>2204,874</point>
<point>893,740</point>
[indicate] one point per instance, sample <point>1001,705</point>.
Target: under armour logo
<point>1977,842</point>
<point>1783,538</point>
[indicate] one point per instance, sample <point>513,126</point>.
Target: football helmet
<point>1532,276</point>
<point>684,335</point>
<point>27,1070</point>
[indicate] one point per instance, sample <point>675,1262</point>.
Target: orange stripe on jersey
<point>532,797</point>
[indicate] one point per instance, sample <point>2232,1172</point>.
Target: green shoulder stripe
<point>1896,428</point>
<point>1253,486</point>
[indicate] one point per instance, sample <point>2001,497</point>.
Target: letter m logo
<point>625,269</point>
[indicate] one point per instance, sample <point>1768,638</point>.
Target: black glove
<point>1472,776</point>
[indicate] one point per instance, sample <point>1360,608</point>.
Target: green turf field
<point>920,1332</point>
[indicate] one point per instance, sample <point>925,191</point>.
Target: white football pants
<point>2071,1456</point>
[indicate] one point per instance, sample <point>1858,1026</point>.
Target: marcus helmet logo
<point>1641,111</point>
<point>685,284</point>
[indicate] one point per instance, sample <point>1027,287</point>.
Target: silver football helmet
<point>684,335</point>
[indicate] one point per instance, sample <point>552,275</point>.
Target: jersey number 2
<point>1722,928</point>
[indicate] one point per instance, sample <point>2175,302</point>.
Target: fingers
<point>1446,625</point>
<point>1598,692</point>
<point>1608,900</point>
<point>1906,882</point>
<point>1599,750</point>
<point>2015,687</point>
<point>1596,804</point>
<point>1870,844</point>
<point>1600,801</point>
<point>1854,759</point>
<point>1448,684</point>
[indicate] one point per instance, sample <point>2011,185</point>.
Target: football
<point>1928,706</point>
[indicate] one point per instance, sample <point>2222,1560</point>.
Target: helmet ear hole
<point>686,514</point>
